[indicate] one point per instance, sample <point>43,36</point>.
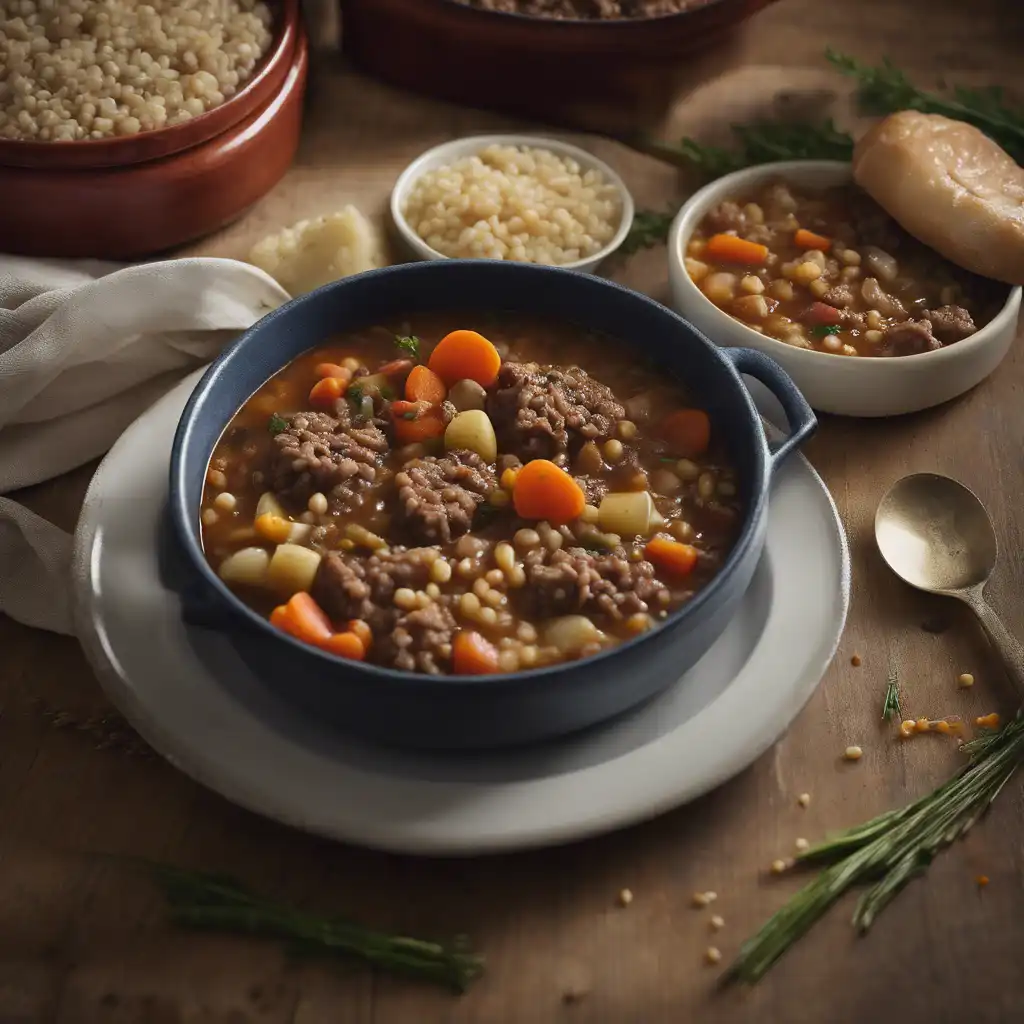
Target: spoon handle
<point>1006,644</point>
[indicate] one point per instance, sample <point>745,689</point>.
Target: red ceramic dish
<point>128,212</point>
<point>524,64</point>
<point>266,81</point>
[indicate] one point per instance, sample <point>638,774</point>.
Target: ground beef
<point>573,580</point>
<point>359,586</point>
<point>438,496</point>
<point>586,10</point>
<point>420,640</point>
<point>840,295</point>
<point>544,412</point>
<point>727,216</point>
<point>910,338</point>
<point>951,323</point>
<point>317,452</point>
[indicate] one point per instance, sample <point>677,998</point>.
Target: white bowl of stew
<point>794,260</point>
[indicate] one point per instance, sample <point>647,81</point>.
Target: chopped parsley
<point>386,393</point>
<point>823,330</point>
<point>410,415</point>
<point>277,424</point>
<point>355,394</point>
<point>410,345</point>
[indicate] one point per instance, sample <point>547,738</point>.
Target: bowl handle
<point>799,415</point>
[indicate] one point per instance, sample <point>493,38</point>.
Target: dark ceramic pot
<point>466,712</point>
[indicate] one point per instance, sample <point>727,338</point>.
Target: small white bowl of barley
<point>522,198</point>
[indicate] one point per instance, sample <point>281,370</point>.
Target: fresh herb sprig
<point>409,344</point>
<point>887,852</point>
<point>649,228</point>
<point>885,89</point>
<point>891,704</point>
<point>881,89</point>
<point>196,899</point>
<point>276,424</point>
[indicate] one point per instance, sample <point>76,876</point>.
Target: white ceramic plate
<point>191,697</point>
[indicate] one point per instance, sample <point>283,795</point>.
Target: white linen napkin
<point>86,347</point>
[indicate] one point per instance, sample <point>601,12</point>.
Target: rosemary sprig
<point>885,89</point>
<point>197,899</point>
<point>891,705</point>
<point>880,90</point>
<point>887,852</point>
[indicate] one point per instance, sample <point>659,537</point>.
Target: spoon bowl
<point>936,535</point>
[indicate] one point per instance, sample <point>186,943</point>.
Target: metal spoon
<point>936,535</point>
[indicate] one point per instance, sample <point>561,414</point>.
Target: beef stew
<point>448,502</point>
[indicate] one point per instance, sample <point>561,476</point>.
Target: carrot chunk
<point>422,427</point>
<point>423,385</point>
<point>361,628</point>
<point>465,355</point>
<point>473,655</point>
<point>544,491</point>
<point>811,240</point>
<point>732,249</point>
<point>333,370</point>
<point>344,645</point>
<point>303,619</point>
<point>688,431</point>
<point>671,555</point>
<point>272,528</point>
<point>396,367</point>
<point>327,391</point>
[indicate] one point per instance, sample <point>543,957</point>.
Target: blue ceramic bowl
<point>466,712</point>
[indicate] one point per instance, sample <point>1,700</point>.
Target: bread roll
<point>950,186</point>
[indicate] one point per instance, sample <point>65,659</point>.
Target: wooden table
<point>83,941</point>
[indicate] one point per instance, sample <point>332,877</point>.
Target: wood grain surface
<point>82,940</point>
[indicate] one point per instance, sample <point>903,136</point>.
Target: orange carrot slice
<point>465,355</point>
<point>688,431</point>
<point>327,391</point>
<point>674,557</point>
<point>543,491</point>
<point>423,427</point>
<point>732,249</point>
<point>396,367</point>
<point>272,528</point>
<point>333,370</point>
<point>361,628</point>
<point>473,655</point>
<point>303,619</point>
<point>423,385</point>
<point>811,240</point>
<point>344,645</point>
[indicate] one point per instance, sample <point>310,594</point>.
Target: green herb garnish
<point>411,415</point>
<point>885,90</point>
<point>891,704</point>
<point>354,393</point>
<point>386,393</point>
<point>649,228</point>
<point>824,330</point>
<point>276,424</point>
<point>409,345</point>
<point>887,852</point>
<point>211,902</point>
<point>880,90</point>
